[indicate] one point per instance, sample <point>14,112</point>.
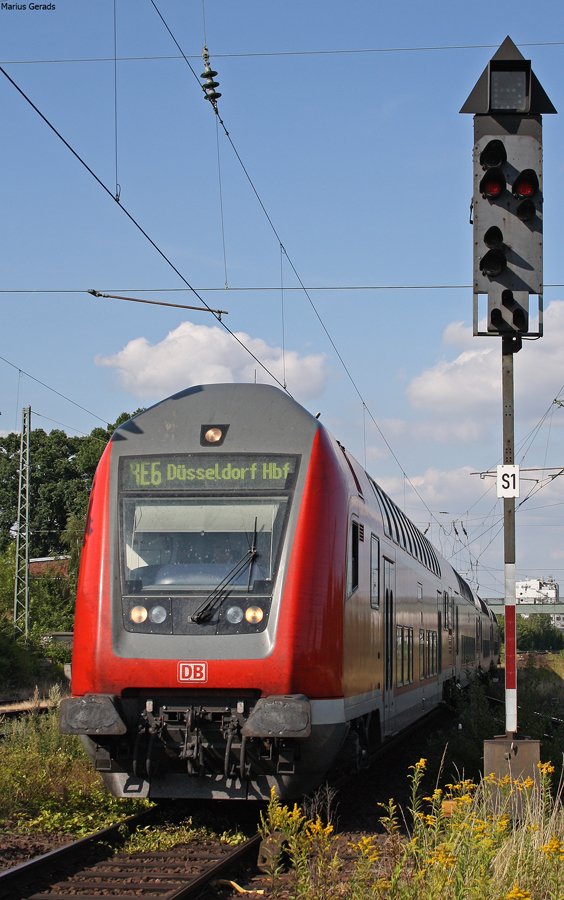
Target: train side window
<point>400,649</point>
<point>404,654</point>
<point>352,579</point>
<point>446,611</point>
<point>431,653</point>
<point>422,661</point>
<point>374,572</point>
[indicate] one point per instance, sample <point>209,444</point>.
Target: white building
<point>537,590</point>
<point>540,591</point>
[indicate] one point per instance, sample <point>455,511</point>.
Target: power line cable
<point>118,186</point>
<point>336,51</point>
<point>293,267</point>
<point>264,288</point>
<point>38,415</point>
<point>54,390</point>
<point>138,226</point>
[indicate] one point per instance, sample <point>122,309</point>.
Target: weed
<point>463,844</point>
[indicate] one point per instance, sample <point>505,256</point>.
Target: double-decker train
<point>252,608</point>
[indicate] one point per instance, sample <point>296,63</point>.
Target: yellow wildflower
<point>317,828</point>
<point>517,893</point>
<point>553,847</point>
<point>367,849</point>
<point>442,856</point>
<point>502,823</point>
<point>545,768</point>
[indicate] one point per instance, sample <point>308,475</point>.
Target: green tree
<point>61,472</point>
<point>536,632</point>
<point>7,576</point>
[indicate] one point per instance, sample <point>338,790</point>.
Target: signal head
<point>526,184</point>
<point>492,184</point>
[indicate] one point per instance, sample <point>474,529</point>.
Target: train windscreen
<point>191,533</point>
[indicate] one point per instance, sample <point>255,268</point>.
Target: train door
<point>389,637</point>
<point>457,639</point>
<point>449,626</point>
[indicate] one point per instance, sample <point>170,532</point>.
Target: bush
<point>47,783</point>
<point>19,664</point>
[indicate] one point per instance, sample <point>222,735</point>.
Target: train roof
<point>246,407</point>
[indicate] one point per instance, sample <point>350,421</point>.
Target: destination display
<point>207,472</point>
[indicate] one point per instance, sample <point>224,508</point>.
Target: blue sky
<point>364,166</point>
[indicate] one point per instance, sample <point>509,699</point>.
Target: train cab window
<point>353,567</point>
<point>374,572</point>
<point>190,522</point>
<point>192,543</point>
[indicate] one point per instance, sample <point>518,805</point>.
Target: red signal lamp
<point>526,184</point>
<point>492,184</point>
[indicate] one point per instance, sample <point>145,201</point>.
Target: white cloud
<point>201,354</point>
<point>445,489</point>
<point>461,397</point>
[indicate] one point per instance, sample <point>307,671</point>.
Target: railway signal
<point>507,102</point>
<point>507,196</point>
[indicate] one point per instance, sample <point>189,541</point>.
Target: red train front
<point>226,635</point>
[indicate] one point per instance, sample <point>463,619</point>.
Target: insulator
<point>208,76</point>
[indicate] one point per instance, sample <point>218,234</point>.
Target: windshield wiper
<point>204,611</point>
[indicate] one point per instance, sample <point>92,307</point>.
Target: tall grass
<point>464,842</point>
<point>46,781</point>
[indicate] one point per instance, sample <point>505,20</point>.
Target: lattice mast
<point>21,584</point>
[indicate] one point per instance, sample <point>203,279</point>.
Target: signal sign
<point>508,481</point>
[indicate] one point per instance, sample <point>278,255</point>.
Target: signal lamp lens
<point>492,184</point>
<point>213,435</point>
<point>493,263</point>
<point>157,614</point>
<point>234,615</point>
<point>254,615</point>
<point>493,237</point>
<point>493,154</point>
<point>526,184</point>
<point>138,614</point>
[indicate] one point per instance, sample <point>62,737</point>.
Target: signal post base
<point>509,755</point>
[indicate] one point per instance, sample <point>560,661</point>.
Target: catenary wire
<point>138,226</point>
<point>295,271</point>
<point>54,390</point>
<point>336,51</point>
<point>249,288</point>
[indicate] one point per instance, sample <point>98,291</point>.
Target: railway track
<point>90,868</point>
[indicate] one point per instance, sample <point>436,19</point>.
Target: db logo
<point>193,672</point>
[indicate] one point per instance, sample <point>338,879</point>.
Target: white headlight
<point>234,615</point>
<point>157,614</point>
